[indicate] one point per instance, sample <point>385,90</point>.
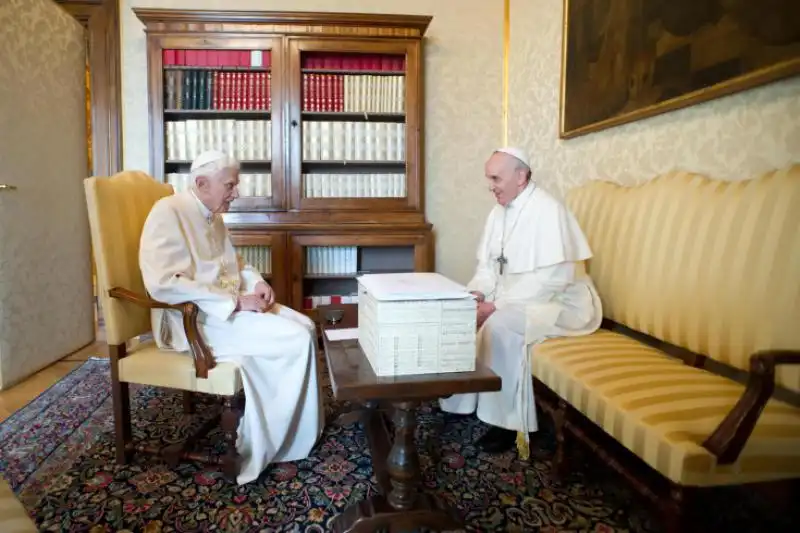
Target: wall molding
<point>101,20</point>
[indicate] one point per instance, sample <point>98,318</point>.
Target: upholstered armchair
<point>118,207</point>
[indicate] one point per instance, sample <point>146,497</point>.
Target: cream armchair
<point>118,207</point>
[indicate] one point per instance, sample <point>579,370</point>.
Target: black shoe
<point>498,440</point>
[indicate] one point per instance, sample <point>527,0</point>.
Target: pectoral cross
<point>502,262</point>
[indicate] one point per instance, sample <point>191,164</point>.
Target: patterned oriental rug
<point>58,456</point>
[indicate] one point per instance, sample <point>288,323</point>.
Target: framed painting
<point>625,60</point>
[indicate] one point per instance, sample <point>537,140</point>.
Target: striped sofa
<point>696,371</point>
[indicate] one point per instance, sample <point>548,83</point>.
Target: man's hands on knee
<point>261,301</point>
<point>253,303</point>
<point>264,291</point>
<point>485,310</point>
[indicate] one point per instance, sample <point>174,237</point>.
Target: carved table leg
<point>403,507</point>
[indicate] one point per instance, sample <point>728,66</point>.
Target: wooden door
<point>46,303</point>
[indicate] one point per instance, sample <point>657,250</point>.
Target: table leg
<point>403,507</point>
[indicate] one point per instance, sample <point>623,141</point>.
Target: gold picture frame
<point>671,54</point>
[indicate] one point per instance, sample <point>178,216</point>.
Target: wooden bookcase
<point>325,113</point>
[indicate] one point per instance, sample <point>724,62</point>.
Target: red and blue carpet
<point>57,453</point>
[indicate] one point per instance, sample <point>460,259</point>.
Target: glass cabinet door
<point>351,129</point>
<point>227,99</point>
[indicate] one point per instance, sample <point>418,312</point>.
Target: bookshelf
<point>325,113</point>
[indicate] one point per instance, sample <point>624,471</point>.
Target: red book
<point>180,57</point>
<point>224,90</point>
<point>327,88</point>
<point>267,58</point>
<point>202,58</point>
<point>238,90</point>
<point>316,93</point>
<point>250,103</point>
<point>306,91</point>
<point>216,104</point>
<point>244,58</point>
<point>191,58</point>
<point>339,93</point>
<point>169,57</point>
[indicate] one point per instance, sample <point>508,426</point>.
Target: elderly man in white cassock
<point>186,254</point>
<point>531,286</point>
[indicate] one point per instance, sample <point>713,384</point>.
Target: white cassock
<point>186,255</point>
<point>543,292</point>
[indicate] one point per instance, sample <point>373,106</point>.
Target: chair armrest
<point>201,353</point>
<point>730,437</point>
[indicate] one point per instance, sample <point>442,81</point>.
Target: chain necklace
<point>225,280</point>
<point>503,260</point>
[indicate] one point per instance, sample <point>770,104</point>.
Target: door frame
<point>101,20</point>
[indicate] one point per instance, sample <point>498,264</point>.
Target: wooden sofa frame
<point>233,406</point>
<point>725,443</point>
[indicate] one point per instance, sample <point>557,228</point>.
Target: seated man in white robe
<point>531,285</point>
<point>186,255</point>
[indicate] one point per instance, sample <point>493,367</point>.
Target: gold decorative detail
<point>506,49</point>
<point>88,82</point>
<point>523,447</point>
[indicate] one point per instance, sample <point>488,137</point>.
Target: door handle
<point>4,187</point>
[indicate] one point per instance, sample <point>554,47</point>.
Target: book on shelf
<point>217,80</point>
<point>354,185</point>
<point>247,140</point>
<point>331,260</point>
<point>367,89</point>
<point>366,83</point>
<point>258,257</point>
<point>250,184</point>
<point>353,141</point>
<point>312,302</point>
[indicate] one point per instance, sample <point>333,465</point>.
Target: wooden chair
<point>118,207</point>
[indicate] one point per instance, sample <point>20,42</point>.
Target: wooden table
<point>401,505</point>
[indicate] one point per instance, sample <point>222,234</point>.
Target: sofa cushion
<point>149,365</point>
<point>705,264</point>
<point>662,410</point>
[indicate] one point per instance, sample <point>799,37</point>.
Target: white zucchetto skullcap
<point>210,156</point>
<point>516,153</point>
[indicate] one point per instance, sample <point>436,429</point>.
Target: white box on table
<point>416,323</point>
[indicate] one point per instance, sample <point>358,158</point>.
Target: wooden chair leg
<point>560,423</point>
<point>674,510</point>
<point>120,392</point>
<point>188,402</point>
<point>231,462</point>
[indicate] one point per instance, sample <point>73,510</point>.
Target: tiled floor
<point>19,395</point>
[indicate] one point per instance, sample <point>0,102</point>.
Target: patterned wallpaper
<point>46,281</point>
<point>463,112</point>
<point>734,137</point>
